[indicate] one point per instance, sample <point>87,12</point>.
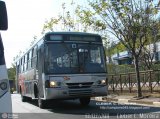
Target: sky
<point>25,20</point>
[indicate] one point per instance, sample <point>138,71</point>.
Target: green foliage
<point>63,21</point>
<point>115,48</point>
<point>117,69</point>
<point>50,24</point>
<point>12,72</point>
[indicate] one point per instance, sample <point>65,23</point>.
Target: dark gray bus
<point>63,65</point>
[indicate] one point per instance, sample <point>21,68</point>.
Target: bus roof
<point>73,33</point>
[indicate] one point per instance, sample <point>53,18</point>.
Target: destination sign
<point>66,37</point>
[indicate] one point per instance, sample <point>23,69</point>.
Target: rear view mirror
<point>3,16</point>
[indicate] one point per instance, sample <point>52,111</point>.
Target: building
<point>125,57</point>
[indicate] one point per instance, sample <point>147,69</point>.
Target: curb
<point>156,103</point>
<point>133,101</point>
<point>140,102</point>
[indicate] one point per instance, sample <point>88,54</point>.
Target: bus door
<point>5,96</point>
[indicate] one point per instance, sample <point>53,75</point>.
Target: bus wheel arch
<point>84,101</point>
<point>35,91</point>
<point>41,103</point>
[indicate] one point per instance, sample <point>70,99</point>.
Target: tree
<point>63,21</point>
<point>11,76</point>
<point>129,21</point>
<point>12,72</point>
<point>89,22</point>
<point>149,51</point>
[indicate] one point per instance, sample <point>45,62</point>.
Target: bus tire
<point>84,101</point>
<point>35,91</point>
<point>41,103</point>
<point>23,98</point>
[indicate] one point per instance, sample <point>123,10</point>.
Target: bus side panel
<point>21,80</point>
<point>5,96</point>
<point>6,103</point>
<point>29,82</point>
<point>34,83</point>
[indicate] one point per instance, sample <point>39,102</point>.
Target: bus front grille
<point>79,85</point>
<point>87,92</point>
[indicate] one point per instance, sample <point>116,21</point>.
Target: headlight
<point>101,82</point>
<point>52,84</point>
<point>55,84</point>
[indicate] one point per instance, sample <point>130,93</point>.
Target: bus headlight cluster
<point>55,84</point>
<point>101,82</point>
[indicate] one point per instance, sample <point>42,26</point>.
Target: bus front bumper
<point>65,93</point>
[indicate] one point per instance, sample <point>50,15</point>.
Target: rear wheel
<point>84,101</point>
<point>23,98</point>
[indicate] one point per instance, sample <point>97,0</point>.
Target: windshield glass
<point>74,58</point>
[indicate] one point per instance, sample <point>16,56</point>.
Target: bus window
<point>34,57</point>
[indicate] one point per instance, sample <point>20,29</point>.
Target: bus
<point>5,96</point>
<point>63,65</point>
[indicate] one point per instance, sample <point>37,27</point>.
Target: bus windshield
<point>62,58</point>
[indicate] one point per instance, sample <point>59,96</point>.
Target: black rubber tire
<point>41,103</point>
<point>23,98</point>
<point>85,101</point>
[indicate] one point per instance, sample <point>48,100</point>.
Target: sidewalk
<point>130,99</point>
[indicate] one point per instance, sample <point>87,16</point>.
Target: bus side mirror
<point>3,16</point>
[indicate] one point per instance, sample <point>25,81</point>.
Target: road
<point>71,109</point>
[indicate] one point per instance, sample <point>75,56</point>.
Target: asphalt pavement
<point>99,108</point>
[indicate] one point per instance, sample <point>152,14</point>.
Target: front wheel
<point>84,101</point>
<point>41,103</point>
